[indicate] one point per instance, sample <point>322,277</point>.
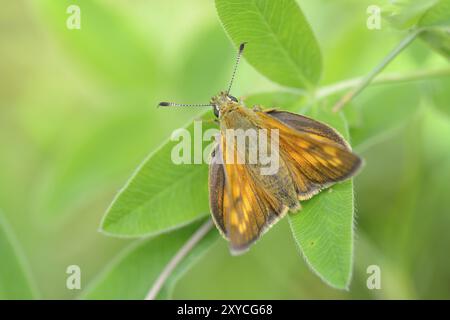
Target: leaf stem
<point>369,77</point>
<point>382,79</point>
<point>173,263</point>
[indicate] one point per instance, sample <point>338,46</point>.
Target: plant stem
<point>382,79</point>
<point>368,79</point>
<point>173,263</point>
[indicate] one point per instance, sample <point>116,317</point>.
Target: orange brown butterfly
<point>244,202</point>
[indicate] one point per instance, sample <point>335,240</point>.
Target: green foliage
<point>15,280</point>
<point>154,201</point>
<point>161,196</point>
<point>437,91</point>
<point>135,270</point>
<point>406,13</point>
<point>323,228</point>
<point>437,16</point>
<point>400,101</point>
<point>439,40</point>
<point>96,49</point>
<point>436,21</point>
<point>281,44</point>
<point>433,16</point>
<point>73,125</point>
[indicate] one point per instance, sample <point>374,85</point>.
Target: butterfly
<point>244,202</point>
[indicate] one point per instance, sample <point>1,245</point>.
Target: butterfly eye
<point>216,111</point>
<point>233,98</point>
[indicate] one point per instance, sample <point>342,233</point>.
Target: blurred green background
<point>77,115</point>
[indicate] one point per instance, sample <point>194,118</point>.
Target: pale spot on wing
<point>247,209</point>
<point>312,160</point>
<point>242,228</point>
<point>336,162</point>
<point>323,161</point>
<point>330,150</point>
<point>303,144</point>
<point>234,217</point>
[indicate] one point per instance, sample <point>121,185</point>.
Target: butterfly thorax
<point>233,114</point>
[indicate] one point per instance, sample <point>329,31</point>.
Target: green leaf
<point>281,44</point>
<point>323,228</point>
<point>405,14</point>
<point>437,16</point>
<point>162,195</point>
<point>15,280</point>
<point>439,40</point>
<point>132,274</point>
<point>437,23</point>
<point>431,15</point>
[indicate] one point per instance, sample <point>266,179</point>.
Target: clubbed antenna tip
<point>241,48</point>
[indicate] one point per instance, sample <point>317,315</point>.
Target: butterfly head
<point>221,102</point>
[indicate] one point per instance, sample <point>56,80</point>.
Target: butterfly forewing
<point>304,124</point>
<point>316,155</point>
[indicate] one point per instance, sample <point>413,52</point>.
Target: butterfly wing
<point>216,189</point>
<point>242,209</point>
<point>315,154</point>
<point>307,125</point>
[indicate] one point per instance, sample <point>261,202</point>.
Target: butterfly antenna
<point>172,104</point>
<point>241,48</point>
